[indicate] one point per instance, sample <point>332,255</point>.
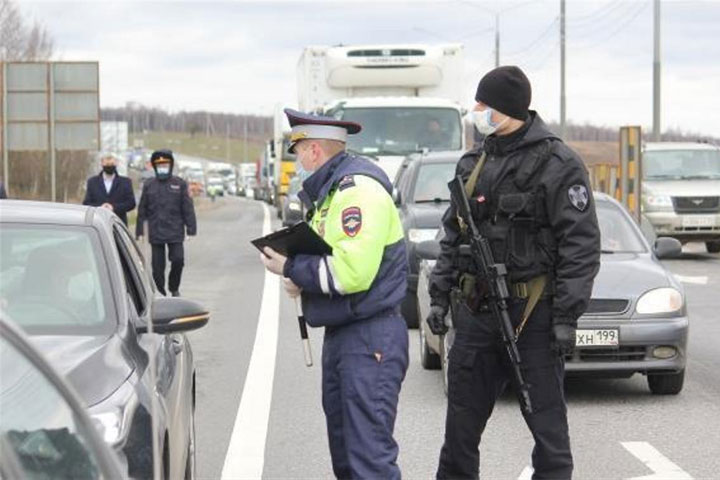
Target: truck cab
<point>394,127</point>
<point>681,191</point>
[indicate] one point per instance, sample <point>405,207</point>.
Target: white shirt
<point>108,180</point>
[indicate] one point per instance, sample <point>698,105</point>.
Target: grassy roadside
<point>212,147</point>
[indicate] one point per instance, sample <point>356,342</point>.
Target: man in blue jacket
<point>355,293</point>
<point>109,189</point>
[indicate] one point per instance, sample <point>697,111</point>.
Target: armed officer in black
<point>531,199</point>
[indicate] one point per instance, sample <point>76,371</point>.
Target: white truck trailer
<point>407,97</point>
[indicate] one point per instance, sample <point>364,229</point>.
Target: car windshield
<point>432,182</point>
<point>53,281</point>
<point>681,164</point>
<point>617,232</point>
<point>403,130</point>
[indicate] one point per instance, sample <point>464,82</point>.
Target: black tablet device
<point>295,240</point>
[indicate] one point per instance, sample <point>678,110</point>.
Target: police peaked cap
<point>157,154</point>
<point>306,126</point>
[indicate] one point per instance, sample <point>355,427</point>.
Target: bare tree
<point>19,41</point>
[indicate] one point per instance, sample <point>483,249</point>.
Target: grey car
<point>75,281</point>
<point>637,319</point>
<point>422,196</point>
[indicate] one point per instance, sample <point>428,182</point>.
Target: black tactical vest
<point>514,218</point>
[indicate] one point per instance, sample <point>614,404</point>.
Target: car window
<point>54,278</point>
<point>618,234</point>
<point>137,257</point>
<point>38,424</point>
<point>680,164</point>
<point>432,182</point>
<point>133,281</point>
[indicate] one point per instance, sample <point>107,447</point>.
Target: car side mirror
<point>428,250</point>
<point>396,196</point>
<point>666,247</point>
<point>174,314</point>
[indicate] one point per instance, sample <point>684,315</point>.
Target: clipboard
<point>295,240</point>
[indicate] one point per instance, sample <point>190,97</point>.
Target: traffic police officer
<point>166,204</point>
<point>355,293</point>
<point>531,200</point>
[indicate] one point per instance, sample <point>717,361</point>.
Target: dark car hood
<point>628,275</point>
<point>95,365</point>
<point>425,215</point>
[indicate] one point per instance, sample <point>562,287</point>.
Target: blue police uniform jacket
<point>330,307</point>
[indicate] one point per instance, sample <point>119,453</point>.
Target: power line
<point>622,26</point>
<point>534,44</point>
<point>597,14</point>
<point>601,27</point>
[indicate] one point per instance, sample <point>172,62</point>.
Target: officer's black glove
<point>436,320</point>
<point>564,338</point>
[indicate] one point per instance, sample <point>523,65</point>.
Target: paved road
<point>616,425</point>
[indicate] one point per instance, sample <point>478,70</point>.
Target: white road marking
<point>526,473</point>
<point>696,280</point>
<point>245,456</point>
<point>662,467</point>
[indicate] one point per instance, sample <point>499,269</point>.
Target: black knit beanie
<point>507,90</point>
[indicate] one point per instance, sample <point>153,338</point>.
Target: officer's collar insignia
<point>351,221</point>
<point>346,182</point>
<point>579,197</point>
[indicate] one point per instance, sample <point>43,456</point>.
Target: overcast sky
<point>240,57</point>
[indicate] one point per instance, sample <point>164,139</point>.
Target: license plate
<point>698,221</point>
<point>597,338</point>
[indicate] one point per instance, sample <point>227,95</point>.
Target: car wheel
<point>428,359</point>
<point>666,383</point>
<point>190,467</point>
<point>713,247</point>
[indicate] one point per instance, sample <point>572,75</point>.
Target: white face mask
<point>483,121</point>
<point>163,170</point>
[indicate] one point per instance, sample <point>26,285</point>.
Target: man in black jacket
<point>109,189</point>
<point>166,205</point>
<point>531,199</point>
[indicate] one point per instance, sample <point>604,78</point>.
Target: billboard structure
<point>50,127</point>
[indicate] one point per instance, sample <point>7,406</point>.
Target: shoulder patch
<point>579,197</point>
<point>351,221</point>
<point>346,182</point>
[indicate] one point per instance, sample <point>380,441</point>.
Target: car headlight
<point>660,300</point>
<point>658,201</point>
<point>417,235</point>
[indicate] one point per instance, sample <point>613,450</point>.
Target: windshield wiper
<point>607,251</point>
<point>434,200</point>
<point>700,177</point>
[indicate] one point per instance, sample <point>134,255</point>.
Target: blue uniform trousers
<point>364,364</point>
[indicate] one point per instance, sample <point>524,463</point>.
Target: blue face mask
<point>300,171</point>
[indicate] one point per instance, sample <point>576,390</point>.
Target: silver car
<point>681,191</point>
<point>637,318</point>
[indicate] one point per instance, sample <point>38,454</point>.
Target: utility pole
<point>562,69</point>
<point>227,141</point>
<point>497,40</point>
<point>656,73</point>
<point>245,139</point>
